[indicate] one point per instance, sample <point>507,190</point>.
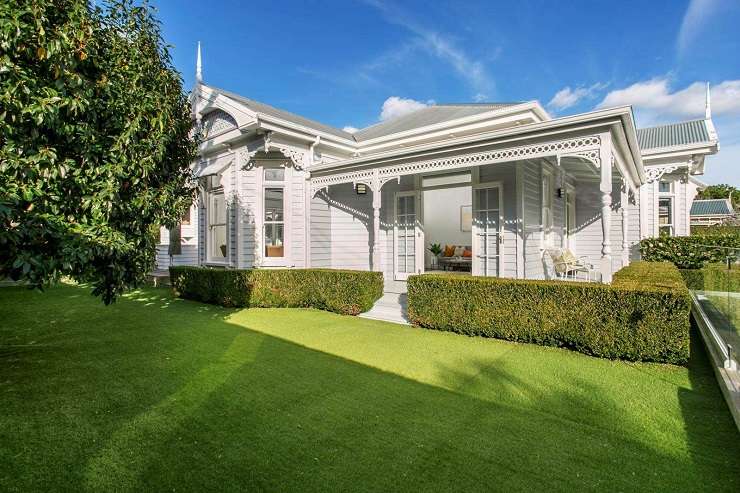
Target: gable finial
<point>198,68</point>
<point>708,106</point>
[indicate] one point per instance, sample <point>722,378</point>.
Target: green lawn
<point>155,394</point>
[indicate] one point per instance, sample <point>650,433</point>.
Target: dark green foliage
<point>340,291</point>
<point>643,315</point>
<point>95,148</point>
<point>693,252</point>
<point>713,277</point>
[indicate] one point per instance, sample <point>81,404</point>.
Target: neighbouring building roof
<point>673,135</point>
<point>711,207</point>
<point>423,117</point>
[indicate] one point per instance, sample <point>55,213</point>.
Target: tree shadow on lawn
<point>236,409</point>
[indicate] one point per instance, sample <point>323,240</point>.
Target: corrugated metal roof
<point>284,115</point>
<point>423,117</point>
<point>419,118</point>
<point>675,134</point>
<point>711,207</point>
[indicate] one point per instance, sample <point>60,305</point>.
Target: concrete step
<point>391,307</point>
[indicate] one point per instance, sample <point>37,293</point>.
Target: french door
<point>487,229</point>
<point>408,241</point>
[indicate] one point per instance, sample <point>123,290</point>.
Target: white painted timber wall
<point>189,237</point>
<point>534,267</point>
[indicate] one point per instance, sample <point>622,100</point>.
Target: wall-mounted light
<point>361,189</point>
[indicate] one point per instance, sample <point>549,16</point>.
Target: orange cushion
<point>449,251</point>
<point>467,253</point>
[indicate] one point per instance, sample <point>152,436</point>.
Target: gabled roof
<point>711,207</point>
<point>423,117</point>
<point>673,135</point>
<point>266,109</point>
<point>420,118</point>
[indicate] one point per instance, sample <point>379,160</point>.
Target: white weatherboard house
<point>506,180</point>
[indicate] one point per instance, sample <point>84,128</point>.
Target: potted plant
<point>435,249</point>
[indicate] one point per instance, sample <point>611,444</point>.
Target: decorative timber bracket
<point>296,157</point>
<point>654,173</point>
<point>581,147</point>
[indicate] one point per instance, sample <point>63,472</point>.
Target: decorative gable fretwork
<point>298,158</point>
<point>217,122</point>
<point>653,173</point>
<point>582,147</point>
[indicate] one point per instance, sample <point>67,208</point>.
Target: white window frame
<point>672,214</point>
<point>548,205</point>
<point>672,197</point>
<point>476,268</point>
<point>211,193</point>
<point>285,186</point>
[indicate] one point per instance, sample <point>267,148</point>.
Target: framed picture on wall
<point>466,218</point>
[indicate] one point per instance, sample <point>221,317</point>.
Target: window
<point>547,198</point>
<point>185,221</point>
<point>274,212</point>
<point>217,236</point>
<point>665,216</point>
<point>274,222</point>
<point>665,187</point>
<point>274,174</point>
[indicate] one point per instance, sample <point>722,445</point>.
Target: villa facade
<point>503,181</point>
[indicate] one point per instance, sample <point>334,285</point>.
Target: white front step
<point>391,307</point>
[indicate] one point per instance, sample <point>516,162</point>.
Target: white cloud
<point>696,17</point>
<point>435,43</point>
<point>350,129</point>
<point>567,97</point>
<point>394,107</point>
<point>655,99</point>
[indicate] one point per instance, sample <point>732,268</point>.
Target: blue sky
<point>352,63</point>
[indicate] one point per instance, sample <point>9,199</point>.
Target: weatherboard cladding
<point>675,134</point>
<point>713,207</point>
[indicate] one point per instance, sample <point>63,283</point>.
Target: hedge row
<point>340,291</point>
<point>713,277</point>
<point>692,252</point>
<point>642,315</point>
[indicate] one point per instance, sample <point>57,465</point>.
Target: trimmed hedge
<point>692,252</point>
<point>713,277</point>
<point>340,291</point>
<point>642,315</point>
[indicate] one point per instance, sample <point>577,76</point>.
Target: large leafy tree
<point>721,191</point>
<point>95,142</point>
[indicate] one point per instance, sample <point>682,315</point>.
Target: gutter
<point>519,132</point>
